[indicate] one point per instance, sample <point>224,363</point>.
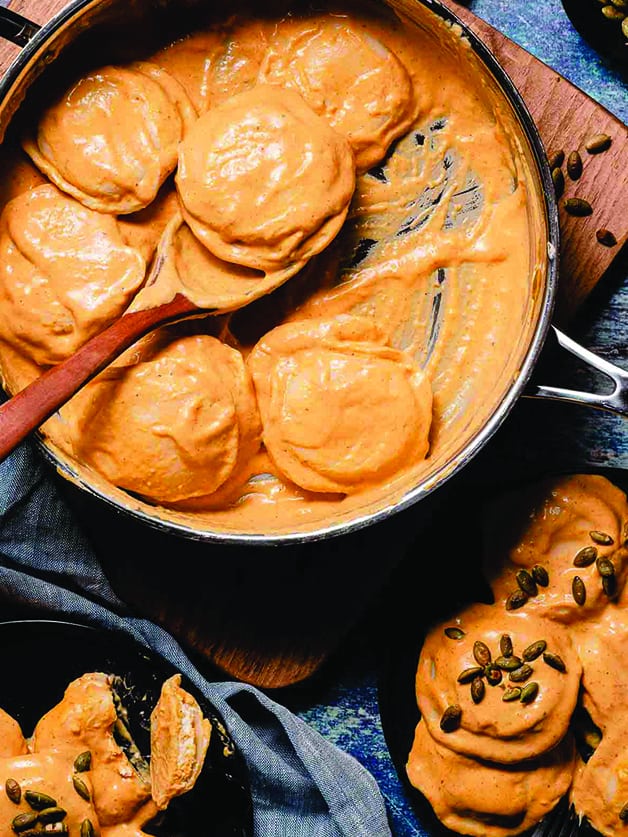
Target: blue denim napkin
<point>301,784</point>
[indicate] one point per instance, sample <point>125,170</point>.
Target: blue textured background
<point>342,702</point>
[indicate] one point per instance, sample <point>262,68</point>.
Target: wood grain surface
<point>273,616</point>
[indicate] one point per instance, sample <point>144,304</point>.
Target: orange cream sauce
<point>536,542</point>
<point>115,796</point>
<point>433,246</point>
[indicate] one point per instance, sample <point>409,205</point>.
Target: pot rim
<point>488,429</point>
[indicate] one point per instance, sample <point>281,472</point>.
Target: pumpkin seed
<point>599,142</point>
<point>527,583</point>
<point>481,653</point>
<point>521,674</point>
<point>493,675</point>
<point>39,801</point>
<point>454,633</point>
<point>13,791</point>
<point>621,4</point>
<point>609,586</point>
<point>451,718</point>
<point>624,29</point>
<point>623,814</point>
<point>601,538</point>
<point>516,600</point>
<point>558,179</point>
<point>585,556</point>
<point>605,567</point>
<point>578,207</point>
<point>505,645</point>
<point>477,690</point>
<point>592,738</point>
<point>540,575</point>
<point>574,165</point>
<point>603,235</point>
<point>87,829</point>
<point>52,815</point>
<point>83,762</point>
<point>508,663</point>
<point>23,821</point>
<point>529,692</point>
<point>555,661</point>
<point>612,13</point>
<point>81,788</point>
<point>470,674</point>
<point>534,650</point>
<point>512,693</point>
<point>578,590</point>
<point>556,160</point>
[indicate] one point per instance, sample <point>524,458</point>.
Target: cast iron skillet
<point>416,608</point>
<point>55,653</point>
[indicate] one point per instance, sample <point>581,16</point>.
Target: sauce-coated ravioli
<point>340,409</point>
<point>264,182</point>
<point>347,76</point>
<point>111,140</point>
<point>169,443</point>
<point>65,273</point>
<point>491,728</point>
<point>83,757</point>
<point>482,799</point>
<point>551,524</point>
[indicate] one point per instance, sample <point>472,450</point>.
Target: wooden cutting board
<point>273,616</point>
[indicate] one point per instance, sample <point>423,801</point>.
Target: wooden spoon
<point>29,408</point>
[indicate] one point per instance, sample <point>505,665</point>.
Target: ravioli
<point>496,728</point>
<point>169,422</point>
<point>348,77</point>
<point>65,274</point>
<point>482,799</point>
<point>264,182</point>
<point>568,525</point>
<point>373,418</point>
<point>111,139</point>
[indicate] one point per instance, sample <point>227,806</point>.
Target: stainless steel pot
<point>81,20</point>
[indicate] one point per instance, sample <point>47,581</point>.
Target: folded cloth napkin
<point>301,784</point>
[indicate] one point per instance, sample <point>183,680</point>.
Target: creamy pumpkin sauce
<point>362,161</point>
<point>501,687</point>
<point>73,777</point>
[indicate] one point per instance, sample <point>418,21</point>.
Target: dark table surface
<point>341,701</point>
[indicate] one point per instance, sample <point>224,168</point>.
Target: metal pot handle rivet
<point>614,402</point>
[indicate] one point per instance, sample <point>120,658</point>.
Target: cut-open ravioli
<point>86,721</point>
<point>179,740</point>
<point>112,138</point>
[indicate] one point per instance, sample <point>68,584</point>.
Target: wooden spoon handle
<point>27,410</point>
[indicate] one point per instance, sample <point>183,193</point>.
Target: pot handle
<point>15,28</point>
<point>615,402</point>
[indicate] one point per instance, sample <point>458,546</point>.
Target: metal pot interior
<point>494,372</point>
